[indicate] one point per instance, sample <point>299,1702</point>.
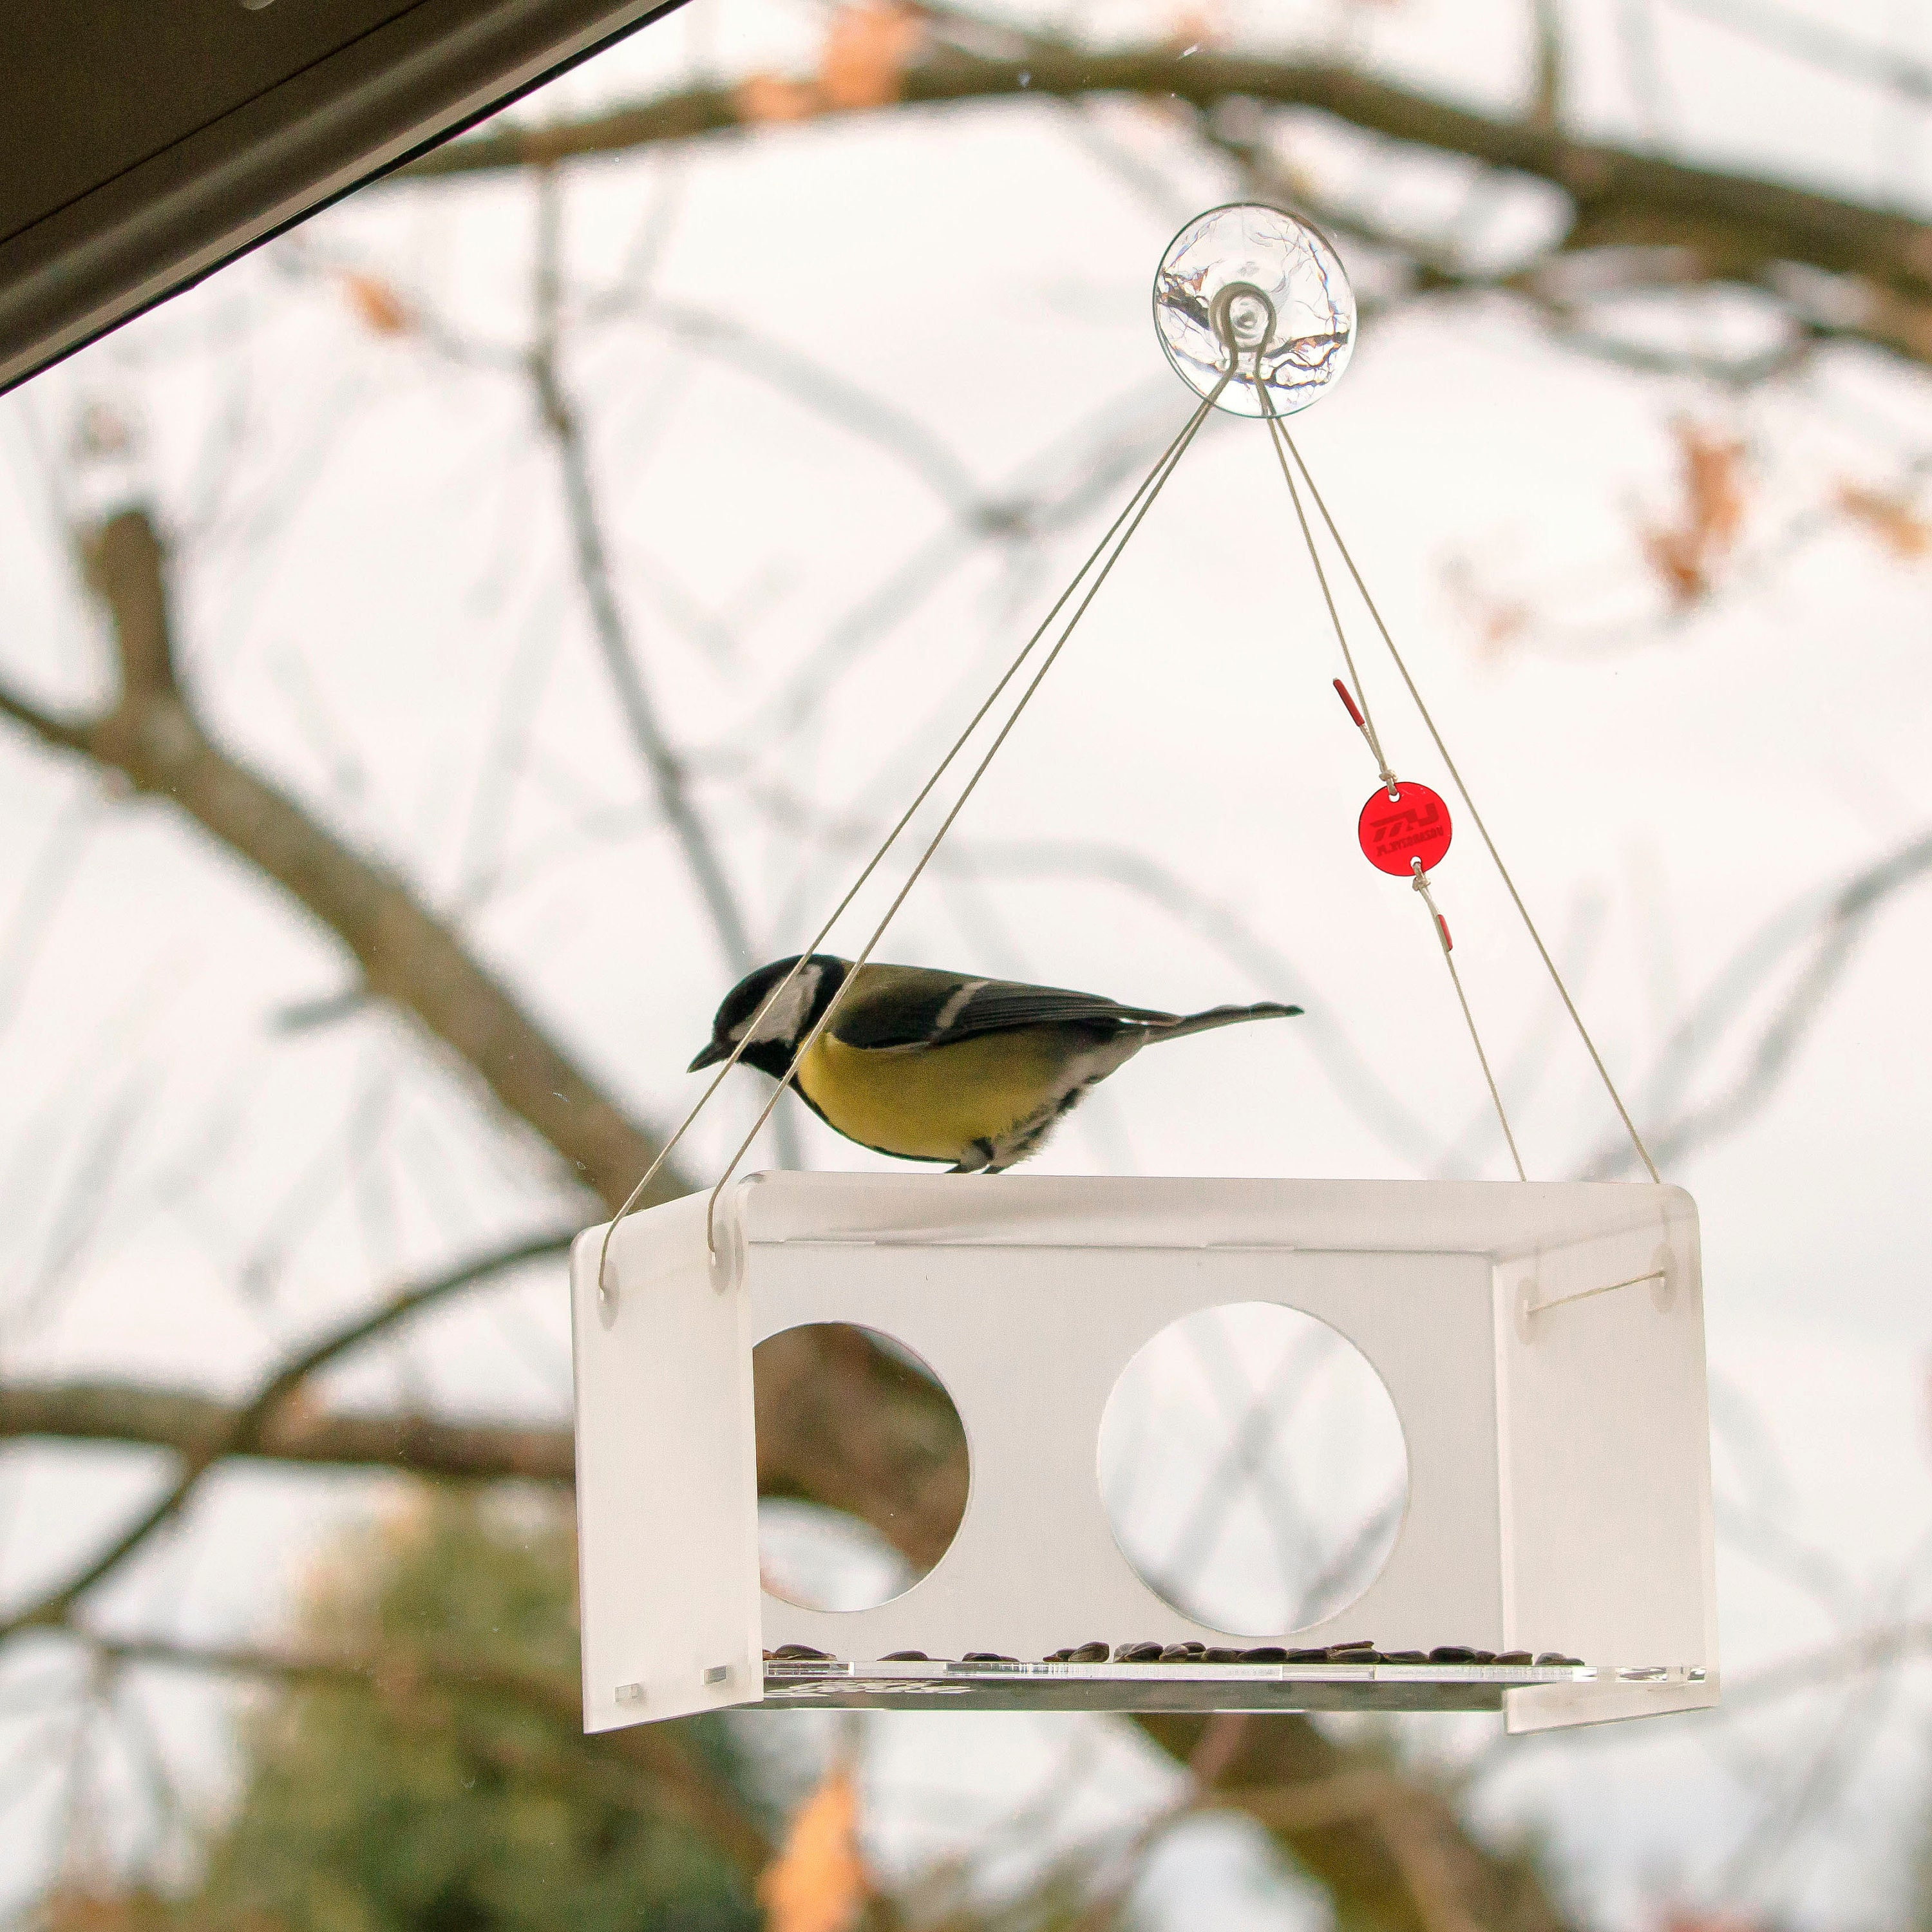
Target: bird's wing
<point>912,1006</point>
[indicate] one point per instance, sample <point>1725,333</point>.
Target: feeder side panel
<point>1607,1466</point>
<point>667,1476</point>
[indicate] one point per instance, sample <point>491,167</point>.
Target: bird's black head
<point>776,1036</point>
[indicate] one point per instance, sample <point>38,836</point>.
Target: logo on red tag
<point>1396,832</point>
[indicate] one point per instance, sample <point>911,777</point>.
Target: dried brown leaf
<point>1499,621</point>
<point>868,48</point>
<point>818,1883</point>
<point>1196,27</point>
<point>1713,484</point>
<point>1685,554</point>
<point>768,97</point>
<point>377,306</point>
<point>1889,517</point>
<point>1679,563</point>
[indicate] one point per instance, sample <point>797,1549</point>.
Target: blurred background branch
<point>1654,221</point>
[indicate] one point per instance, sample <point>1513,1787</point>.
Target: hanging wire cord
<point>1130,517</point>
<point>1421,884</point>
<point>1137,510</point>
<point>1260,324</point>
<point>1285,443</point>
<point>1364,718</point>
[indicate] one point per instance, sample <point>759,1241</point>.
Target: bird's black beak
<point>714,1051</point>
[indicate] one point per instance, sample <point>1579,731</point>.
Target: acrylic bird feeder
<point>1541,1343</point>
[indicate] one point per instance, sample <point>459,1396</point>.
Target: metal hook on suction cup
<point>1221,320</point>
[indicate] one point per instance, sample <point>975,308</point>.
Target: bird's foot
<point>978,1159</point>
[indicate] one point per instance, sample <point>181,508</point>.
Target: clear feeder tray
<point>1199,1687</point>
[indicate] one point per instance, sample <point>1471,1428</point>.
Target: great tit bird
<point>931,1066</point>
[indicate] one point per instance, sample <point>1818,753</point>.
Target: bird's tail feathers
<point>1221,1016</point>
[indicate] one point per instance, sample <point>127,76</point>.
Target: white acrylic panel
<point>667,1475</point>
<point>1029,1342</point>
<point>1606,1449</point>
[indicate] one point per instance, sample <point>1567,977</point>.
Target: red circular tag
<point>1395,832</point>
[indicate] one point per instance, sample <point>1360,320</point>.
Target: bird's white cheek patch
<point>786,1019</point>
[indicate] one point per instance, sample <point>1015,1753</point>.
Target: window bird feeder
<point>1542,1343</point>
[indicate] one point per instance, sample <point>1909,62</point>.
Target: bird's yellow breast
<point>932,1103</point>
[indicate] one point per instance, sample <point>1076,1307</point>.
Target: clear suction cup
<point>1249,287</point>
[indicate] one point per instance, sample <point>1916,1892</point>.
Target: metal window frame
<point>274,159</point>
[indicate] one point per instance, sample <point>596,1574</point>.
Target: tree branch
<point>679,1776</point>
<point>1546,104</point>
<point>1737,226</point>
<point>835,1423</point>
<point>1883,1648</point>
<point>412,959</point>
<point>1387,1844</point>
<point>1835,935</point>
<point>1818,45</point>
<point>409,956</point>
<point>186,1424</point>
<point>1390,1847</point>
<point>64,734</point>
<point>654,752</point>
<point>242,1428</point>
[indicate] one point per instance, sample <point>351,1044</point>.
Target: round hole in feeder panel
<point>1252,1468</point>
<point>863,1471</point>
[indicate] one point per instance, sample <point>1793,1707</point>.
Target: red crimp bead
<point>1448,944</point>
<point>1341,692</point>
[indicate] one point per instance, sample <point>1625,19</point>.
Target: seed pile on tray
<point>1362,1652</point>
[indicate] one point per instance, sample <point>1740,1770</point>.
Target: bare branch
<point>1817,45</point>
<point>411,958</point>
<point>54,871</point>
<point>123,561</point>
<point>186,1423</point>
<point>1545,106</point>
<point>648,737</point>
<point>838,399</point>
<point>839,1424</point>
<point>408,955</point>
<point>243,1426</point>
<point>883,1446</point>
<point>1643,65</point>
<point>1881,1649</point>
<point>65,734</point>
<point>1737,226</point>
<point>687,1786</point>
<point>1835,935</point>
<point>1389,1845</point>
